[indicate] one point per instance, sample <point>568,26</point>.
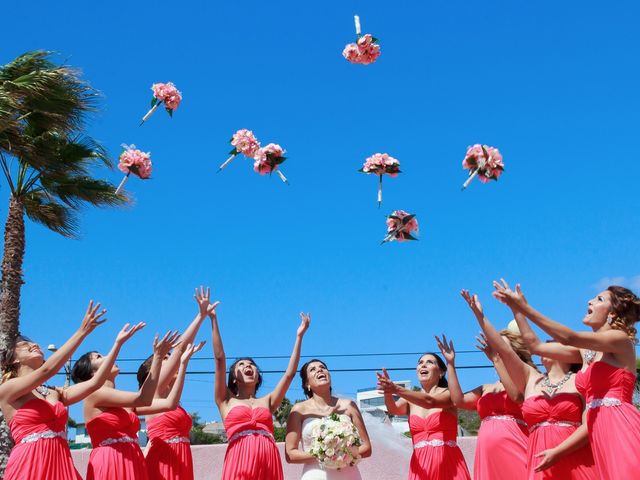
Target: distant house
<point>370,401</point>
<point>216,428</point>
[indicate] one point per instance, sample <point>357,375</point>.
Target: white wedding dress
<point>313,471</point>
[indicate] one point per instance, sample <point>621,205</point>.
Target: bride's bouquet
<point>483,161</point>
<point>335,442</point>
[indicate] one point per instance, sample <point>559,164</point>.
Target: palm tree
<point>47,163</point>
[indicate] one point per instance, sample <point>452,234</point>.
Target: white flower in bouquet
<point>335,442</point>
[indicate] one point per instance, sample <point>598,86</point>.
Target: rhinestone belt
<point>554,424</point>
<point>245,433</point>
<point>112,441</point>
<point>34,437</point>
<point>435,443</point>
<point>506,417</point>
<point>178,440</point>
<point>604,402</point>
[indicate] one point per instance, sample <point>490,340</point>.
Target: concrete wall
<point>387,462</point>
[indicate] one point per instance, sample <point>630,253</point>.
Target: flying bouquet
<point>163,94</point>
<point>134,161</point>
<point>400,224</point>
<point>243,142</point>
<point>365,50</point>
<point>335,442</point>
<point>381,164</point>
<point>267,160</point>
<point>483,161</point>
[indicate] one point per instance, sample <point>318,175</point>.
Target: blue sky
<point>553,85</point>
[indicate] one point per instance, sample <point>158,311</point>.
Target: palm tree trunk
<point>10,286</point>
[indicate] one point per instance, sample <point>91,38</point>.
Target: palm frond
<point>74,191</point>
<point>59,218</point>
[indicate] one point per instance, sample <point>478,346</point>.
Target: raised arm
<point>557,351</point>
<point>386,385</point>
<point>421,398</point>
<point>80,391</point>
<point>160,405</point>
<point>110,397</point>
<point>169,368</point>
<point>611,341</point>
<point>292,451</point>
<point>516,368</point>
<point>278,393</point>
<point>509,386</point>
<point>466,401</point>
<point>221,392</point>
<point>19,386</point>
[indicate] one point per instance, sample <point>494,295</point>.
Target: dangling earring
<point>610,319</point>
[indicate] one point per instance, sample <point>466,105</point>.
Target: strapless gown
<point>551,420</point>
<point>116,453</point>
<point>252,453</point>
<point>613,421</point>
<point>313,471</point>
<point>436,455</point>
<point>169,454</point>
<point>501,450</point>
<point>41,451</point>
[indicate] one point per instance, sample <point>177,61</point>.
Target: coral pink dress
<point>501,450</point>
<point>613,421</point>
<point>116,453</point>
<point>252,452</point>
<point>551,420</point>
<point>41,451</point>
<point>169,456</point>
<point>436,455</point>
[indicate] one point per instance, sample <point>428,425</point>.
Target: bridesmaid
<point>316,384</point>
<point>111,419</point>
<point>433,421</point>
<point>501,449</point>
<point>168,424</point>
<point>552,408</point>
<point>251,452</point>
<point>35,413</point>
<point>608,377</point>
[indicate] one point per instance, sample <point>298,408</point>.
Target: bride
<point>316,384</point>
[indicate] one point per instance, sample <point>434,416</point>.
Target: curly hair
<point>518,346</point>
<point>625,305</point>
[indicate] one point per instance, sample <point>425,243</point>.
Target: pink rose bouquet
<point>243,142</point>
<point>335,442</point>
<point>267,160</point>
<point>381,164</point>
<point>163,93</point>
<point>483,161</point>
<point>134,161</point>
<point>400,224</point>
<point>365,50</point>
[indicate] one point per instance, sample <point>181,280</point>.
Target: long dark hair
<point>442,366</point>
<point>83,370</point>
<point>143,370</point>
<point>232,380</point>
<point>304,376</point>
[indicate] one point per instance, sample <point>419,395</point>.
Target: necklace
<point>554,387</point>
<point>589,355</point>
<point>42,390</point>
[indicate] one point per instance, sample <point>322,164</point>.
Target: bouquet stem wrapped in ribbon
<point>381,164</point>
<point>133,161</point>
<point>365,50</point>
<point>400,224</point>
<point>482,161</point>
<point>163,94</point>
<point>335,442</point>
<point>243,142</point>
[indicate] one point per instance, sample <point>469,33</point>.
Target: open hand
<point>202,296</point>
<point>484,347</point>
<point>503,293</point>
<point>126,333</point>
<point>474,303</point>
<point>549,458</point>
<point>385,384</point>
<point>190,350</point>
<point>163,346</point>
<point>305,320</point>
<point>92,318</point>
<point>448,352</point>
